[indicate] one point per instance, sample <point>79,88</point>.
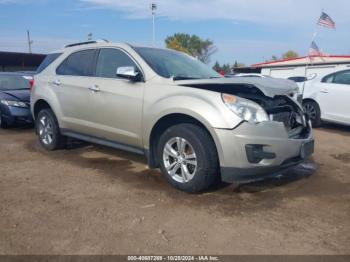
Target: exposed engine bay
<point>280,108</point>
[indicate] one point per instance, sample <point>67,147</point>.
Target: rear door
<point>71,84</point>
<point>117,103</point>
<point>334,97</point>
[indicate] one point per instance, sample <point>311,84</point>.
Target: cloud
<point>257,11</point>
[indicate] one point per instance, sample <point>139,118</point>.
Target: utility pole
<point>30,42</point>
<point>153,9</point>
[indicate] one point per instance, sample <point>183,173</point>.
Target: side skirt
<point>103,142</point>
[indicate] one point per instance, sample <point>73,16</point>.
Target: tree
<point>192,45</point>
<point>217,67</point>
<point>237,64</point>
<point>290,54</point>
<point>274,58</point>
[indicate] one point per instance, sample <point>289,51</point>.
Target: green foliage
<point>290,54</point>
<point>192,45</point>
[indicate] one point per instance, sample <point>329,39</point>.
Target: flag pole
<point>308,63</point>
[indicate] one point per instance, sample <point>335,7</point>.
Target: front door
<point>117,103</point>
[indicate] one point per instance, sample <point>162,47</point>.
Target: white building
<point>297,66</point>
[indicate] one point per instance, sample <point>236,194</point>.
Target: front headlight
<point>14,103</point>
<point>245,109</point>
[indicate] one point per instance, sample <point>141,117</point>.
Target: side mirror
<point>128,72</point>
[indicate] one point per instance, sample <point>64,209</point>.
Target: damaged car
<point>195,125</point>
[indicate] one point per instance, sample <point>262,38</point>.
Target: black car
<point>15,99</point>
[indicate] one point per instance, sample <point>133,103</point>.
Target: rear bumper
<point>253,152</point>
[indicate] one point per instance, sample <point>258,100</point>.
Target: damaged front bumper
<point>252,152</point>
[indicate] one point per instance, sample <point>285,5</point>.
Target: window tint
<point>47,61</point>
<point>169,63</point>
<point>109,60</point>
<point>81,63</point>
<point>342,78</point>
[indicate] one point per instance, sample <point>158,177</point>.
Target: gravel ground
<point>94,200</point>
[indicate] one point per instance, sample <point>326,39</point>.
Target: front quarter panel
<point>205,106</point>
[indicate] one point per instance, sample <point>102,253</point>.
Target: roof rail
<point>87,43</point>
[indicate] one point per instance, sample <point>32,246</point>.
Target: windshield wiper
<point>176,78</point>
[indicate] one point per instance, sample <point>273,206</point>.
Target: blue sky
<point>248,31</point>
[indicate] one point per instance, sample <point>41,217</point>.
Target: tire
<point>3,124</point>
<point>314,112</point>
<point>196,168</point>
<point>48,130</point>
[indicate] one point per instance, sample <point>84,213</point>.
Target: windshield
<point>172,64</point>
<point>13,82</point>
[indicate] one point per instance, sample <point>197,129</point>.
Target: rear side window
<point>328,79</point>
<point>47,61</point>
<point>81,63</point>
<point>109,60</point>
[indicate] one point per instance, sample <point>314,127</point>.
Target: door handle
<point>94,88</point>
<point>56,82</point>
<point>325,91</point>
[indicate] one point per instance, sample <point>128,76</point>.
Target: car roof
<point>98,44</point>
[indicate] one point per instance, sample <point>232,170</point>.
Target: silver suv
<point>195,125</point>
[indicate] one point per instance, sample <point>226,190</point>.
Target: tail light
<point>31,84</point>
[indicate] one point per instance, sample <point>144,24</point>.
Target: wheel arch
<point>164,123</point>
<point>313,100</point>
<point>40,105</point>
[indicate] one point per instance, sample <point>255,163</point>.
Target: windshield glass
<point>13,82</point>
<point>168,63</point>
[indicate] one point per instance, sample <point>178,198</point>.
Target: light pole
<point>30,42</point>
<point>153,8</point>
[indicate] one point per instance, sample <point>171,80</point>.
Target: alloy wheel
<point>45,130</point>
<point>310,110</point>
<point>180,159</point>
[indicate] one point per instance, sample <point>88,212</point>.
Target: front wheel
<point>188,158</point>
<point>3,124</point>
<point>314,112</point>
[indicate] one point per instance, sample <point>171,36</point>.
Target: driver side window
<point>109,60</point>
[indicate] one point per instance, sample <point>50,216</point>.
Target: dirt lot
<point>93,200</point>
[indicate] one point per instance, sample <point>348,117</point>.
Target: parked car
<point>15,99</point>
<point>195,125</point>
<point>326,98</point>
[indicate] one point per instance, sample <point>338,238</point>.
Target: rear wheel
<point>48,130</point>
<point>188,158</point>
<point>314,112</point>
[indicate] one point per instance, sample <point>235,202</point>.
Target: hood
<point>18,95</point>
<point>268,86</point>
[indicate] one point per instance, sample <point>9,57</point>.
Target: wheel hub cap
<point>180,159</point>
<point>45,130</point>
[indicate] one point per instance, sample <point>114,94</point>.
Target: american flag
<point>314,50</point>
<point>326,21</point>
